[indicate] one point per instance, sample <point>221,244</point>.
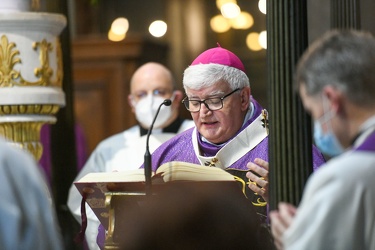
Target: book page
<point>135,175</point>
<point>177,170</point>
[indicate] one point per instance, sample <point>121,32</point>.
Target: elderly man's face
<point>220,125</point>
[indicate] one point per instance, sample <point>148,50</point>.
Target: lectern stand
<point>111,200</point>
<point>117,203</point>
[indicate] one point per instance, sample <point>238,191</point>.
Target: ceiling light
<point>219,24</point>
<point>158,28</point>
<point>230,10</point>
<point>243,21</point>
<point>120,26</point>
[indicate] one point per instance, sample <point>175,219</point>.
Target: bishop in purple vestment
<point>231,126</point>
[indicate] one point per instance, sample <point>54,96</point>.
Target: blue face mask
<point>326,142</point>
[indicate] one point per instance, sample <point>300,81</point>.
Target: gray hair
<point>344,59</point>
<point>205,75</point>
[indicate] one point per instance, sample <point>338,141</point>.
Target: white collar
<point>248,116</point>
<point>365,130</point>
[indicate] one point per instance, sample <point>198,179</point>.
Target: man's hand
<point>258,184</point>
<point>280,222</point>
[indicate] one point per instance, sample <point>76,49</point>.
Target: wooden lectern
<point>119,202</point>
<point>112,195</point>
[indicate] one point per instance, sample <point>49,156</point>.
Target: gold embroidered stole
<point>245,141</point>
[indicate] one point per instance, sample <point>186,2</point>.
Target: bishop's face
<point>219,126</point>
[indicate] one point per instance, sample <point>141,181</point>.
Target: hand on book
<point>258,176</point>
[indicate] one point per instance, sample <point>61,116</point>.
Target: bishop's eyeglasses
<point>212,104</point>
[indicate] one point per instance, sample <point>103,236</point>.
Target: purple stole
<point>249,137</point>
<point>211,150</point>
<point>368,144</point>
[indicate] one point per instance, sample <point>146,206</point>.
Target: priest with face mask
<point>150,85</point>
<point>336,82</point>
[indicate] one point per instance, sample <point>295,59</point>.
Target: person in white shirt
<point>336,81</point>
<point>150,85</point>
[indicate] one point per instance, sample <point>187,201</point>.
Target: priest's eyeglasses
<point>212,104</point>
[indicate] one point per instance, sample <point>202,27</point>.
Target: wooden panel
<point>89,99</point>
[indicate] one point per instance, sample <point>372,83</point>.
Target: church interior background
<point>100,69</point>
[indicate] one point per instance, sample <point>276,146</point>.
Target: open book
<point>170,171</point>
<point>94,186</point>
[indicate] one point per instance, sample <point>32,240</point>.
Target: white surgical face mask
<point>146,108</point>
<point>326,142</point>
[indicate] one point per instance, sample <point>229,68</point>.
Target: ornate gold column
<point>30,75</point>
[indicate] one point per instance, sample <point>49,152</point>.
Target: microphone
<point>147,158</point>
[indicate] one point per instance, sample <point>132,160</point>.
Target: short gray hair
<point>205,75</point>
<point>344,59</point>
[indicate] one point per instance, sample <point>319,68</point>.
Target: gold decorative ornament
<point>29,109</point>
<point>31,73</point>
<point>25,135</point>
<point>211,163</point>
<point>44,72</point>
<point>7,61</point>
<point>260,203</point>
<point>265,120</point>
<point>59,71</point>
<point>243,184</point>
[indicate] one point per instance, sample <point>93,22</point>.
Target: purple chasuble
<point>180,148</point>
